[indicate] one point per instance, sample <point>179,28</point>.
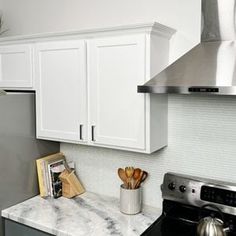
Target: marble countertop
<point>87,214</point>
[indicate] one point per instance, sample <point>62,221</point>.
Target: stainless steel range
<point>195,206</point>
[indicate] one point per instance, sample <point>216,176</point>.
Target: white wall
<point>34,16</point>
<point>202,142</point>
<point>201,129</point>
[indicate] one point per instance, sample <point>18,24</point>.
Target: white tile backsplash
<point>202,142</point>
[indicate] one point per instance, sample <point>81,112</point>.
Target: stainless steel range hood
<point>210,67</point>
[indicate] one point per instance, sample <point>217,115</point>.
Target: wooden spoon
<point>123,177</point>
<point>138,180</point>
<point>142,178</point>
<point>136,175</point>
<point>129,171</point>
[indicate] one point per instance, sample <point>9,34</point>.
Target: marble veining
<point>87,214</point>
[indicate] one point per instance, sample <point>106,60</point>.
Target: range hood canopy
<point>210,67</point>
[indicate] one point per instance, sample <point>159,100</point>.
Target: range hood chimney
<point>210,67</point>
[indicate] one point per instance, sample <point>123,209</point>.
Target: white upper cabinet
<point>61,91</point>
<point>16,67</point>
<point>86,85</point>
<point>119,117</point>
<point>116,110</point>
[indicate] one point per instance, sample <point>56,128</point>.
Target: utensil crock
<point>130,200</point>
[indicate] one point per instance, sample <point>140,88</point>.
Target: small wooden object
<point>71,185</point>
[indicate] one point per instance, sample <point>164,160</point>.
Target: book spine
<point>42,187</point>
<point>47,178</point>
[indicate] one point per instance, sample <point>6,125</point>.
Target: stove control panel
<point>199,191</point>
<point>218,195</point>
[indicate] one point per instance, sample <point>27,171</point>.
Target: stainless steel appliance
<point>195,206</point>
<point>210,67</point>
<point>19,148</point>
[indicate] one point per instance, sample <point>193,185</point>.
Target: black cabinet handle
<point>93,128</point>
<point>81,132</point>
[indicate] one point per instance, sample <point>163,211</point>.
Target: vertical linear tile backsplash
<point>202,142</point>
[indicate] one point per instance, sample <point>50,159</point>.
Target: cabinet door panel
<point>16,66</point>
<point>61,90</point>
<point>116,67</point>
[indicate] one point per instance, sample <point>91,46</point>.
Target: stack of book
<point>49,168</point>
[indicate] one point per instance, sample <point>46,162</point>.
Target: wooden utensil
<point>123,177</point>
<point>142,178</point>
<point>129,171</point>
<point>137,172</point>
<point>138,180</point>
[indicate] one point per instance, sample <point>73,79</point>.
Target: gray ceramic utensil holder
<point>130,200</point>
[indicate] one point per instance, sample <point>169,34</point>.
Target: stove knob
<point>171,186</point>
<point>182,188</point>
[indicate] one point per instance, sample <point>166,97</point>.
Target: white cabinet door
<point>116,110</point>
<point>61,90</point>
<point>16,66</point>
